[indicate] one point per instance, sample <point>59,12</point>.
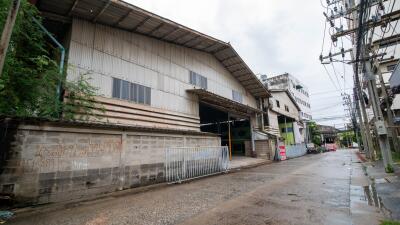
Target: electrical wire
<point>329,75</point>
<point>327,92</point>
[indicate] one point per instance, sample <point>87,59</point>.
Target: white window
<point>197,79</point>
<point>237,96</point>
<point>130,91</point>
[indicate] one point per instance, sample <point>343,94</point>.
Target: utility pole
<point>360,104</point>
<point>7,31</point>
<point>391,131</point>
<point>359,25</point>
<point>362,114</point>
<point>380,126</point>
<point>350,108</point>
<point>361,123</point>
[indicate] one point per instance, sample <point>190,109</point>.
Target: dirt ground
<point>328,188</point>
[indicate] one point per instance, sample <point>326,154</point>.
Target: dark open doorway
<point>220,122</point>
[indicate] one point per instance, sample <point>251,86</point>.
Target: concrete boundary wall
<point>45,162</point>
<point>293,151</point>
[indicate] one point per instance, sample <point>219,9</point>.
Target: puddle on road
<point>365,194</point>
<point>368,195</point>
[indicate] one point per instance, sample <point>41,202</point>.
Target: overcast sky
<point>272,36</point>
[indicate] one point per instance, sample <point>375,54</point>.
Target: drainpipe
<point>62,49</point>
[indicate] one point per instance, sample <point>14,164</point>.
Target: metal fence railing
<point>184,163</point>
<point>293,151</point>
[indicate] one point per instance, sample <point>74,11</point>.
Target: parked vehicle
<point>330,146</point>
<point>311,148</point>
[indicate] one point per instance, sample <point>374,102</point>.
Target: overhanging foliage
<point>28,83</point>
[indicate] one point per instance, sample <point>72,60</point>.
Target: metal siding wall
<point>162,66</point>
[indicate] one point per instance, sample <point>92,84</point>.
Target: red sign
<point>282,152</point>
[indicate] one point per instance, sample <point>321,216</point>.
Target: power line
<point>329,75</point>
<point>326,92</point>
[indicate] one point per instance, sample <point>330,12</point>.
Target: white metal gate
<point>184,163</point>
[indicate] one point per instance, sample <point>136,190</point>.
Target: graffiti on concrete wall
<point>70,156</point>
<point>79,150</point>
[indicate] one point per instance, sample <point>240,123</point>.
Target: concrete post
<point>253,145</point>
<point>122,161</point>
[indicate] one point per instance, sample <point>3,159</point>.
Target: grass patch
<point>396,157</point>
<point>389,222</point>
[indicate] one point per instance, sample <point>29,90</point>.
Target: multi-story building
<point>296,88</point>
<point>284,117</point>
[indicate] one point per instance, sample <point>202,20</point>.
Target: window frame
<point>198,80</point>
<point>237,96</point>
<point>132,92</point>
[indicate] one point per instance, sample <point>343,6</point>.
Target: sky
<point>273,37</point>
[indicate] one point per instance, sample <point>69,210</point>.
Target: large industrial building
<point>162,85</point>
<point>143,63</point>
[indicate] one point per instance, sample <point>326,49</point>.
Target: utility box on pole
<point>380,127</point>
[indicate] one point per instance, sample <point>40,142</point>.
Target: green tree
<point>347,136</point>
<point>29,78</point>
<point>315,134</point>
<point>28,83</point>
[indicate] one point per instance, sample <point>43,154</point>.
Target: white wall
<point>301,96</point>
<point>284,99</point>
<point>163,67</point>
<point>273,119</point>
<point>302,99</point>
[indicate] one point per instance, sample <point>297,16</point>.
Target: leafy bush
<point>321,149</point>
<point>29,80</point>
<point>389,169</point>
<point>81,98</point>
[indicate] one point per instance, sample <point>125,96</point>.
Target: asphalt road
<point>328,188</point>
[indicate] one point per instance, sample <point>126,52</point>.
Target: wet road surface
<point>328,188</point>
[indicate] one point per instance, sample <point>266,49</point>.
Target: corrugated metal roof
<point>122,15</point>
<point>224,103</point>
